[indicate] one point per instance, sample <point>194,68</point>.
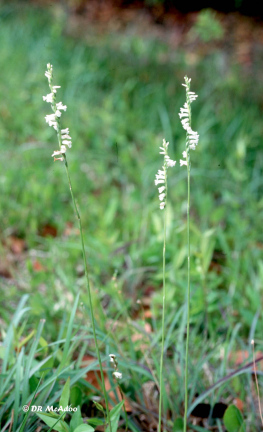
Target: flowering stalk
<point>161,178</point>
<point>64,141</point>
<point>118,376</point>
<point>191,143</point>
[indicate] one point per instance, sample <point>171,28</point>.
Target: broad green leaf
<point>114,417</point>
<point>199,429</point>
<point>75,396</point>
<point>178,425</point>
<point>233,420</point>
<point>45,368</point>
<point>64,399</point>
<point>76,420</point>
<point>96,422</point>
<point>84,428</point>
<point>43,343</point>
<point>59,426</point>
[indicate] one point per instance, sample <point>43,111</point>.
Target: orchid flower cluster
<point>53,120</point>
<point>161,176</point>
<point>185,116</point>
<point>116,374</point>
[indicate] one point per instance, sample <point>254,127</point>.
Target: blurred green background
<point>122,86</point>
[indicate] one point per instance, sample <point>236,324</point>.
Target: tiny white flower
<point>56,152</point>
<point>65,131</point>
<point>68,143</point>
<point>48,98</point>
<point>171,163</point>
<point>112,357</point>
<point>185,123</point>
<point>162,196</point>
<point>54,89</point>
<point>184,154</point>
<point>58,113</point>
<point>65,136</point>
<point>118,375</point>
<point>60,106</point>
<point>50,118</point>
<point>161,189</point>
<point>162,205</point>
<point>182,162</point>
<point>62,150</point>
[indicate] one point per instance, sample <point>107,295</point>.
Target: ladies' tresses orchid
<point>64,141</point>
<point>53,120</point>
<point>192,137</point>
<point>191,143</point>
<point>161,176</point>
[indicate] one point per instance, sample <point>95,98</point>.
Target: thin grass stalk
<point>163,313</point>
<point>124,408</point>
<point>89,292</point>
<point>187,299</point>
<point>256,379</point>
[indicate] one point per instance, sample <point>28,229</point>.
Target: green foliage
<point>178,425</point>
<point>207,26</point>
<point>114,417</point>
<point>233,420</point>
<point>56,423</point>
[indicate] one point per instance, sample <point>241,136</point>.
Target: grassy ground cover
<point>123,96</point>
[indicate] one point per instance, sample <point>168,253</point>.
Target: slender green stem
<point>89,293</point>
<point>124,408</point>
<point>163,314</point>
<point>188,296</point>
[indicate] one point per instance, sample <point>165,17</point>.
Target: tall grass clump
<point>190,144</point>
<point>64,141</point>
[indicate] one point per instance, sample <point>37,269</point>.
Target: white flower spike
<point>192,137</point>
<point>161,176</point>
<point>53,120</point>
